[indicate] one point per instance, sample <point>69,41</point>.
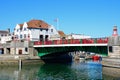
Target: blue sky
<point>90,17</point>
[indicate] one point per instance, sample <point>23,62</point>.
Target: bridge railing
<point>73,41</point>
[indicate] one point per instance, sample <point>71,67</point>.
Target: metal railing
<point>73,41</point>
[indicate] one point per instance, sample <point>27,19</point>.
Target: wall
<point>35,34</point>
<point>114,46</point>
<point>115,52</point>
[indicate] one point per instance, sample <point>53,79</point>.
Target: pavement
<point>111,62</point>
<point>14,59</point>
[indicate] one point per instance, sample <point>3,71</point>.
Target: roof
<point>21,25</point>
<point>61,33</point>
<point>36,24</point>
<point>4,32</point>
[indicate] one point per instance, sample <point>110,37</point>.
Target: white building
<point>77,36</point>
<point>34,30</point>
<point>5,39</point>
<point>5,36</point>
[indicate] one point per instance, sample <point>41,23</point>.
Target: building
<point>25,34</point>
<point>34,30</point>
<point>4,33</point>
<point>60,35</point>
<point>3,39</point>
<point>77,36</point>
<point>114,44</point>
<point>5,36</point>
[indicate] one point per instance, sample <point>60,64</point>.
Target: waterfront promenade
<point>111,62</point>
<point>13,60</point>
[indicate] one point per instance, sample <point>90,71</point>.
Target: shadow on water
<point>57,58</point>
<point>56,72</point>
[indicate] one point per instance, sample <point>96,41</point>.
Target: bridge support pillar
<point>114,46</point>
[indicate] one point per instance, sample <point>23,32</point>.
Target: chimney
<point>115,33</point>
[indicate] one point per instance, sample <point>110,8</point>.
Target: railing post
<point>95,40</point>
<point>68,41</point>
<point>80,41</point>
<point>42,42</point>
<point>52,41</point>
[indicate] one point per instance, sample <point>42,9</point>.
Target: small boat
<point>95,58</point>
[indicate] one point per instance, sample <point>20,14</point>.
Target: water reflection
<point>88,70</point>
<point>13,72</point>
<point>8,73</point>
<point>85,70</point>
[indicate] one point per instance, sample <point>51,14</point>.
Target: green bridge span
<point>42,51</point>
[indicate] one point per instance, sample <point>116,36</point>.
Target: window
<point>26,49</point>
<point>25,29</point>
<point>46,31</point>
<point>46,37</point>
<point>28,35</point>
<point>1,34</point>
<point>12,38</point>
<point>51,30</point>
<point>110,49</point>
<point>40,29</point>
<point>16,36</point>
<point>41,37</point>
<point>17,30</point>
<point>21,36</point>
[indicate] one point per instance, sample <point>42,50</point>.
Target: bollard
<point>20,64</point>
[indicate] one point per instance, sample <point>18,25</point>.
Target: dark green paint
<point>95,49</point>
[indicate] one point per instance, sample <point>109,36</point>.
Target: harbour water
<point>85,70</point>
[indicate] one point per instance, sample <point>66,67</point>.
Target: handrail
<point>73,41</point>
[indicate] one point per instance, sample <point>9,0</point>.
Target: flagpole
<point>57,22</point>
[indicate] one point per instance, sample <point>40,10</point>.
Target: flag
<point>57,23</point>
